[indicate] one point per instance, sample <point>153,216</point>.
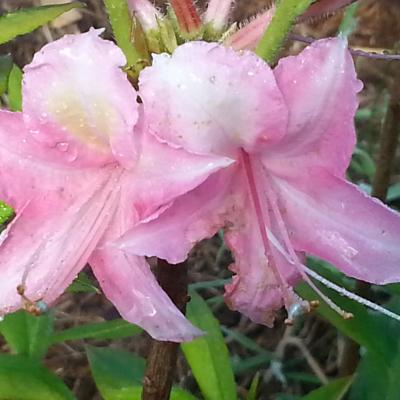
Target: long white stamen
<point>299,266</point>
<point>350,295</point>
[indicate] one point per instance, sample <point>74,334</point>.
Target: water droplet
<point>62,146</point>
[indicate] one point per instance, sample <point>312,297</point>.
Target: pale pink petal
<point>53,235</point>
<point>320,88</point>
<point>191,218</point>
<point>76,97</point>
<point>146,13</point>
<point>163,173</point>
<point>332,219</point>
<point>263,278</point>
<point>130,285</point>
<point>217,13</point>
<point>256,290</point>
<point>212,100</point>
<point>250,34</point>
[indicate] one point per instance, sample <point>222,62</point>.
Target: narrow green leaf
<point>115,329</point>
<point>372,379</point>
<point>6,65</point>
<point>27,334</point>
<point>334,390</point>
<point>122,24</point>
<point>117,373</point>
<point>15,89</point>
<point>208,356</point>
<point>82,284</point>
<point>349,21</point>
<point>252,394</point>
<point>28,19</point>
<point>246,341</point>
<point>241,366</point>
<point>24,379</point>
<point>394,192</point>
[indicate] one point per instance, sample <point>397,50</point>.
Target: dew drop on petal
<point>62,146</point>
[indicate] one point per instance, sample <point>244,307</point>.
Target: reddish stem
<point>186,13</point>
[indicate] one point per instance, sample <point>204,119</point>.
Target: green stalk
<point>285,17</point>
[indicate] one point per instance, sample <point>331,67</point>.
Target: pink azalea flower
<point>79,172</point>
<point>290,133</point>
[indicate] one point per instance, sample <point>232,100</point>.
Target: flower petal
<point>332,219</point>
<point>76,90</point>
<point>212,100</point>
<point>53,236</point>
<point>193,217</point>
<point>263,278</point>
<point>320,88</point>
<point>130,285</point>
<point>164,173</point>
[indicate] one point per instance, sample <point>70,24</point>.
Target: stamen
<point>262,224</point>
<point>292,256</point>
<point>350,295</point>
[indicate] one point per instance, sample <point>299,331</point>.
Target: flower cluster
<point>218,140</point>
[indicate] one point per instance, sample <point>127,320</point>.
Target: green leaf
<point>28,19</point>
<point>118,374</point>
<point>122,24</point>
<point>27,334</point>
<point>252,394</point>
<point>334,390</point>
<point>15,89</point>
<point>349,21</point>
<point>6,65</point>
<point>208,356</point>
<point>82,284</point>
<point>115,329</point>
<point>6,214</point>
<point>394,192</point>
<point>24,379</point>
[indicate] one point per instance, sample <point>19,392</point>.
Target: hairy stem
<point>285,17</point>
<point>161,361</point>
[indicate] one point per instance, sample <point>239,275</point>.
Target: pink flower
<point>79,172</point>
<point>290,133</point>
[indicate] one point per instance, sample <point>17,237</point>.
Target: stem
<point>162,358</point>
<point>388,143</point>
<point>285,17</point>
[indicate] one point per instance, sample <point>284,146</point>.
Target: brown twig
<point>161,361</point>
<point>388,144</point>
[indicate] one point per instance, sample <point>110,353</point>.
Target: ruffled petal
<point>320,88</point>
<point>164,173</point>
<point>192,217</point>
<point>77,98</point>
<point>53,235</point>
<point>212,100</point>
<point>332,219</point>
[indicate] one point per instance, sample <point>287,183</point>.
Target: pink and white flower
<point>290,134</point>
